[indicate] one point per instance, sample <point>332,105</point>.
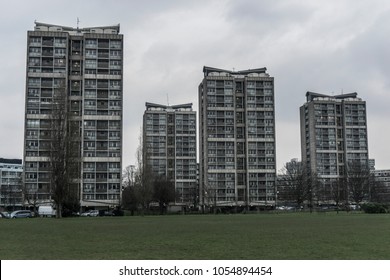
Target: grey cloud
<point>306,45</point>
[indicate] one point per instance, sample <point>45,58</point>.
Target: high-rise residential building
<point>333,134</point>
<point>86,64</point>
<point>11,188</point>
<point>170,138</point>
<point>237,138</point>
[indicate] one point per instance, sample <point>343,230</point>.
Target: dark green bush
<point>374,208</point>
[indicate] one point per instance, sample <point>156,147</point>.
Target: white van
<point>46,211</point>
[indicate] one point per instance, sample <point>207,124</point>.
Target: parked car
<point>21,214</point>
<point>109,213</point>
<point>90,213</point>
<point>285,208</point>
<point>4,215</point>
<point>106,213</point>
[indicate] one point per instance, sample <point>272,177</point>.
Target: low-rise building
<point>11,190</point>
<point>381,191</point>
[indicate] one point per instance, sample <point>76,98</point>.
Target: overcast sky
<point>329,47</point>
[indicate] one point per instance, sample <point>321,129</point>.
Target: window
<point>90,83</point>
<point>115,44</point>
<point>35,40</point>
<point>90,63</point>
<point>91,54</point>
<point>32,123</point>
<point>115,84</point>
<point>59,52</point>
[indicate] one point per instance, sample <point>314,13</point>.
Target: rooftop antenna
<point>78,21</point>
<point>168,99</point>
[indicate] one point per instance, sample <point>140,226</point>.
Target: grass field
<point>287,236</point>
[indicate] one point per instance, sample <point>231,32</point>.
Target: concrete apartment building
<point>87,63</point>
<point>333,133</point>
<point>11,187</point>
<point>382,179</point>
<point>170,138</point>
<point>237,138</point>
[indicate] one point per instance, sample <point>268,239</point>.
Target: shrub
<point>374,208</point>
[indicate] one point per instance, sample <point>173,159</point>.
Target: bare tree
<point>323,191</point>
<point>338,189</point>
<point>143,177</point>
<point>64,152</point>
<point>293,184</point>
<point>31,197</point>
<point>193,195</point>
<point>163,192</point>
<point>129,197</point>
<point>128,176</point>
<point>358,181</point>
<point>316,189</point>
<point>209,198</point>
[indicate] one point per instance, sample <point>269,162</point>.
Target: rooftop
<point>10,161</point>
<point>168,107</point>
<point>112,29</point>
<point>210,70</point>
<point>310,96</point>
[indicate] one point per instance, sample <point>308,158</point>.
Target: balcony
<point>115,67</point>
<point>47,84</point>
<point>114,86</point>
<point>103,45</point>
<point>91,45</point>
<point>47,53</point>
<point>47,63</point>
<point>103,55</point>
<point>34,54</point>
<point>49,43</point>
<point>102,85</point>
<point>60,45</point>
<point>103,65</point>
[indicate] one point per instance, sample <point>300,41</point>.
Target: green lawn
<point>285,236</point>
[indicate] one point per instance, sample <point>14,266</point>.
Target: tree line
<point>301,187</point>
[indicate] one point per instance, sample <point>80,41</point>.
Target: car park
<point>21,214</point>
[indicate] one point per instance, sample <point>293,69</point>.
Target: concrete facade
<point>11,187</point>
<point>333,134</point>
<point>170,137</point>
<point>88,64</point>
<point>237,138</point>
